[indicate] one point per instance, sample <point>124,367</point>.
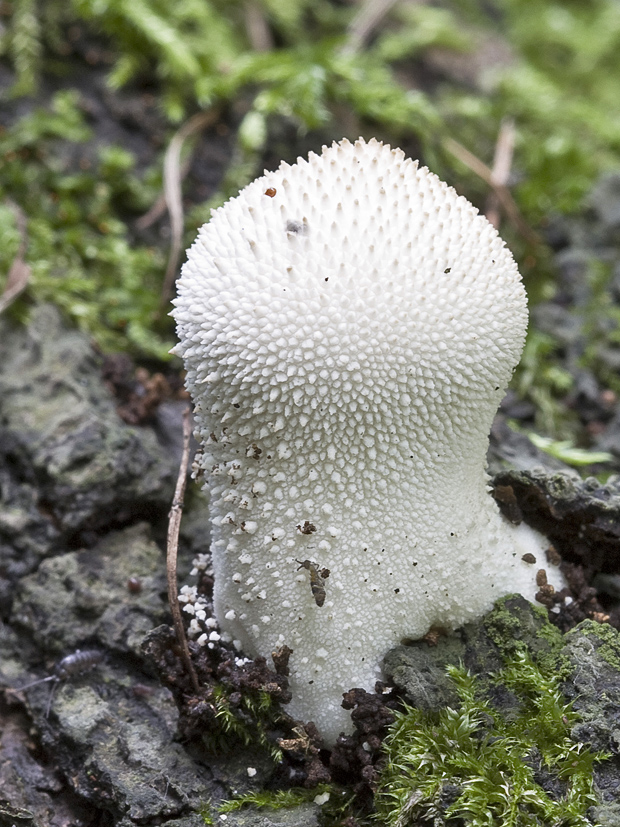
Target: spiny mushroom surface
<point>349,325</point>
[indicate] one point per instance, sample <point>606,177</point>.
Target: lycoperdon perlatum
<point>349,325</point>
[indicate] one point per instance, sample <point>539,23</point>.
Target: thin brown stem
<point>174,527</point>
<point>159,207</point>
<point>500,172</point>
<point>503,193</point>
<point>257,28</point>
<point>173,194</point>
<point>367,19</point>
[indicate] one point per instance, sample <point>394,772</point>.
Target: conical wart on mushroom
<point>349,324</point>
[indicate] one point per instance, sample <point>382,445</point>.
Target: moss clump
<point>514,622</point>
<point>336,803</point>
<point>275,799</point>
<point>242,718</point>
<point>609,648</point>
<point>80,250</point>
<point>205,814</point>
<point>480,767</point>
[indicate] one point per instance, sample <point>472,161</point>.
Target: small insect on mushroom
<point>76,663</point>
<point>317,580</point>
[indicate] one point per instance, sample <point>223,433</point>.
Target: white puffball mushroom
<point>349,324</point>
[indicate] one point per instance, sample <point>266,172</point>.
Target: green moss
<point>79,248</point>
<point>553,637</point>
<point>514,622</point>
<point>557,78</point>
<point>248,721</point>
<point>540,379</point>
<point>274,799</point>
<point>609,648</point>
<point>337,802</point>
<point>478,766</point>
<point>205,814</point>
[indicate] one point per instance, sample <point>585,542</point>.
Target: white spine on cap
<point>349,325</point>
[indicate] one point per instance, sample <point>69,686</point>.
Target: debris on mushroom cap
<point>349,325</point>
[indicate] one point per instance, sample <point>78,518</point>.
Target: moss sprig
<point>478,767</point>
<point>274,799</point>
<point>248,720</point>
<point>337,804</point>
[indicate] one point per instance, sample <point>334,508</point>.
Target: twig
<point>172,191</point>
<point>159,207</point>
<point>19,272</point>
<point>503,193</point>
<point>174,526</point>
<point>365,21</point>
<point>256,28</point>
<point>500,172</point>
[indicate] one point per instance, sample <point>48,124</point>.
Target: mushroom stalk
<point>349,325</point>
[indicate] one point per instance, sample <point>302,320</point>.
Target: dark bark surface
<point>85,498</point>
